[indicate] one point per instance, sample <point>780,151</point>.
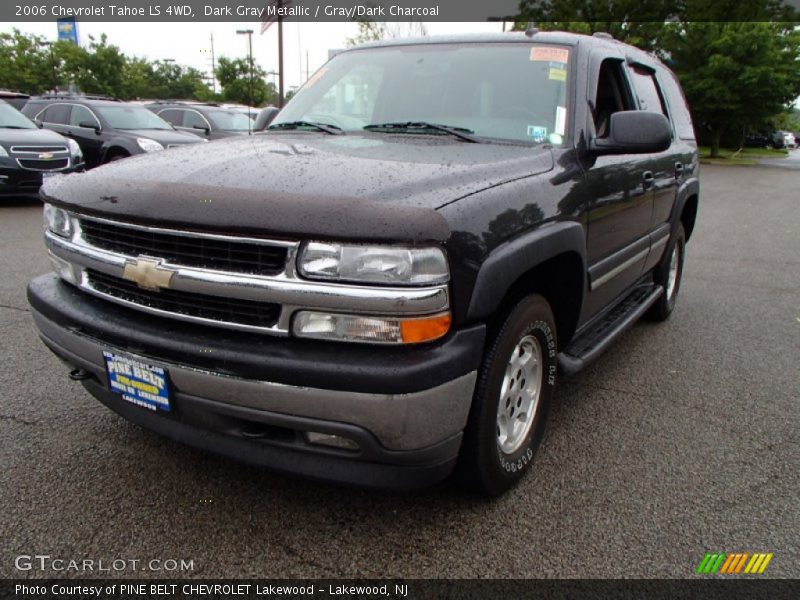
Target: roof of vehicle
<point>13,94</point>
<point>79,98</point>
<point>548,37</point>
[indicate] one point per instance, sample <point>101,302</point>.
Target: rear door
<point>55,117</point>
<point>667,166</point>
<point>89,139</point>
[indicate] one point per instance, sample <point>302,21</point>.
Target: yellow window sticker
<point>558,74</point>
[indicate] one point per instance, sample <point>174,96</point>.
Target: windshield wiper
<point>14,127</point>
<point>415,126</point>
<point>326,127</point>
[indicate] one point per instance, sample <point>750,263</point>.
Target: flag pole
<point>280,58</point>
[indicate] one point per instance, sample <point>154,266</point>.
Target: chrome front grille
<point>35,164</point>
<point>240,283</point>
<point>206,252</point>
<point>38,149</point>
<point>200,306</point>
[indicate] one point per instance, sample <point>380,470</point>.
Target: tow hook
<point>79,374</point>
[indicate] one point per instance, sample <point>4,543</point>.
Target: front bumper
<point>16,181</point>
<point>253,398</point>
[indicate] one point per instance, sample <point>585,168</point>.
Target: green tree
<point>735,75</point>
<point>97,69</point>
<point>25,65</point>
<point>373,31</point>
<point>636,22</point>
<point>234,76</point>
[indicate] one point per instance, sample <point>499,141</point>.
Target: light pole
<point>249,34</point>
<point>44,44</point>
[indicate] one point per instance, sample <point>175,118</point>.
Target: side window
<point>613,95</point>
<point>677,105</point>
<point>644,82</point>
<point>193,119</point>
<point>58,114</point>
<point>173,116</point>
<point>81,114</point>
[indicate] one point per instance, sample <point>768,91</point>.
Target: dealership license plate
<point>47,175</point>
<point>137,382</point>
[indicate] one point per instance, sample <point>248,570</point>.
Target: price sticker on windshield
<point>550,54</point>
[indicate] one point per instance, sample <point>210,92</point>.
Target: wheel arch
<point>550,261</point>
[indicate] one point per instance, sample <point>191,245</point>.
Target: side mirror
<point>634,132</point>
<point>89,125</point>
<point>203,128</point>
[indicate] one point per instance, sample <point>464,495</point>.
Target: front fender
<point>509,261</point>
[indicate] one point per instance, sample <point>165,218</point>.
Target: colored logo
<point>731,563</point>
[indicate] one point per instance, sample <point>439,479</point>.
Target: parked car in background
<point>29,155</point>
<point>265,117</point>
<point>789,140</point>
<point>209,120</point>
<point>15,99</point>
<point>774,139</point>
<point>106,129</point>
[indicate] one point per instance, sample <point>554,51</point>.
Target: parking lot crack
<point>19,420</point>
<point>19,308</point>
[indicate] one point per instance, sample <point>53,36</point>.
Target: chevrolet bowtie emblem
<point>46,155</point>
<point>148,274</point>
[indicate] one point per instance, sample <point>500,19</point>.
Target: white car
<point>789,140</point>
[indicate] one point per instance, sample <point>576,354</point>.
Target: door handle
<point>678,170</point>
<point>648,179</point>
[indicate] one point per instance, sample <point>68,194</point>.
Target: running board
<point>592,343</point>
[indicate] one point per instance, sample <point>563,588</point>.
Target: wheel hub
<point>519,394</point>
<point>672,278</point>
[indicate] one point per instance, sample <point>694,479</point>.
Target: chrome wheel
<point>519,394</point>
<point>672,277</point>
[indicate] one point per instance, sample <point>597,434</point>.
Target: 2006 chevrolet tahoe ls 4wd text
<point>385,285</point>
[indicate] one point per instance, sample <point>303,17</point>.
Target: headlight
<point>57,221</point>
<point>149,145</point>
<point>373,264</point>
<point>365,328</point>
<point>75,150</point>
<point>3,152</point>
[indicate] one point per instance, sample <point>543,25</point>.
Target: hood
<point>30,137</point>
<point>370,187</point>
<point>163,136</point>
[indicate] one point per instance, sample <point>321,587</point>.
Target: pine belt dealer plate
<point>137,382</point>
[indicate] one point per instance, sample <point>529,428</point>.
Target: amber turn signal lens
<point>425,329</point>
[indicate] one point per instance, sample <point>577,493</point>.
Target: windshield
<point>10,117</point>
<point>131,117</point>
<point>228,120</point>
<point>507,91</point>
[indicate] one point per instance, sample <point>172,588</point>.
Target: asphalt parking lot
<point>683,439</point>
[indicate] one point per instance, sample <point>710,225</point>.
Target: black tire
<point>662,309</point>
<point>484,466</point>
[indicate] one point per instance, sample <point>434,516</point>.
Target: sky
<point>305,44</point>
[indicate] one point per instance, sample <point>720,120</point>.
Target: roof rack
<point>192,102</point>
<point>4,93</point>
<point>52,95</point>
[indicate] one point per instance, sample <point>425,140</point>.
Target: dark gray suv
<point>208,120</point>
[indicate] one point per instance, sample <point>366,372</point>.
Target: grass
<point>747,156</point>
